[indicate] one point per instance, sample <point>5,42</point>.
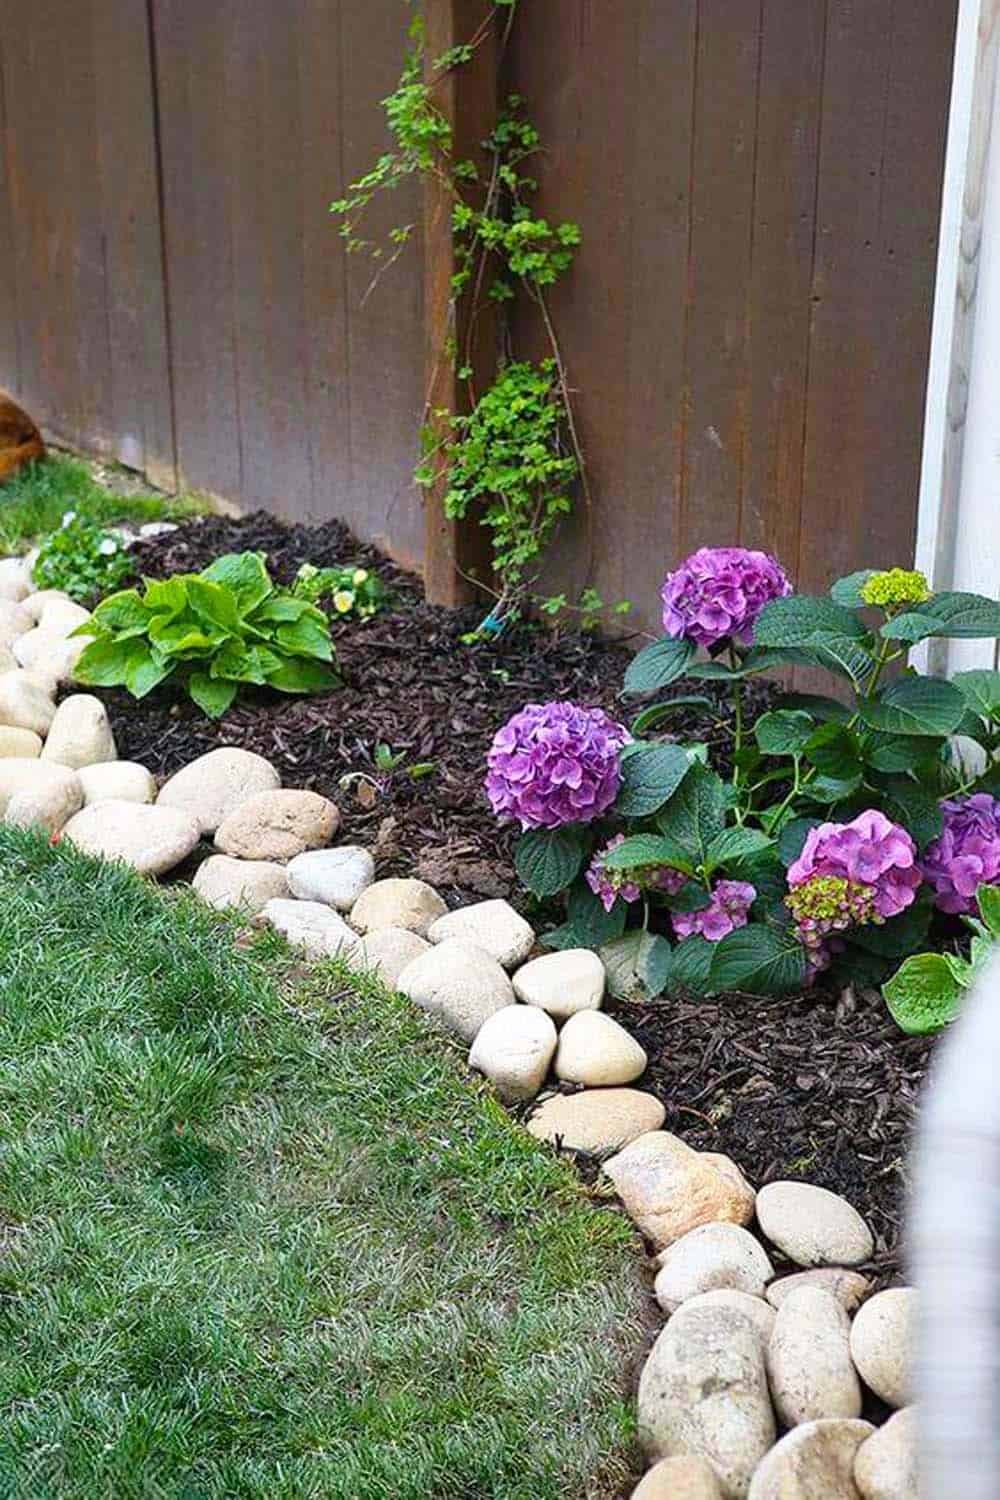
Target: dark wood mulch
<point>821,1087</point>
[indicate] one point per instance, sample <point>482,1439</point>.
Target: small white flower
<point>108,547</point>
<point>69,516</point>
<point>360,577</point>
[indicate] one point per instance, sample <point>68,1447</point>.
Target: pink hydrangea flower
<point>967,854</point>
<point>608,885</point>
<point>555,763</point>
<point>728,909</point>
<point>869,851</point>
<point>718,592</point>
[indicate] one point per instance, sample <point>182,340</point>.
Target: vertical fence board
<point>10,364</point>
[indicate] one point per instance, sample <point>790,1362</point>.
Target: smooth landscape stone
<point>116,781</point>
<point>245,883</point>
<point>514,1048</point>
<point>8,661</point>
<point>759,1312</point>
<point>37,794</point>
<point>14,621</point>
<point>594,1050</point>
<point>49,651</point>
<point>317,929</point>
<point>562,983</point>
<point>61,617</point>
<point>334,876</point>
<point>214,785</point>
<point>808,1359</point>
<point>493,926</point>
<point>387,952</point>
<point>710,1257</point>
<point>463,986</point>
<point>703,1391</point>
<point>412,904</point>
<point>813,1462</point>
<point>683,1478</point>
<point>150,839</point>
<point>24,704</point>
<point>80,734</point>
<point>21,744</point>
<point>849,1287</point>
<point>883,1343</point>
<point>596,1120</point>
<point>813,1226</point>
<point>15,584</point>
<point>886,1465</point>
<point>669,1189</point>
<point>278,826</point>
<point>35,604</point>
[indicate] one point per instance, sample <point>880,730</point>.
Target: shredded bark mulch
<point>821,1087</point>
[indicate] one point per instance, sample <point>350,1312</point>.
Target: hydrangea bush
<point>844,827</point>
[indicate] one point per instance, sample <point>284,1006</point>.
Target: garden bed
<point>821,1086</point>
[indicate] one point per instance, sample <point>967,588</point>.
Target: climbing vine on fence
<point>514,454</point>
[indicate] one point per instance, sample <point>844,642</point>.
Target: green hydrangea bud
<point>895,587</point>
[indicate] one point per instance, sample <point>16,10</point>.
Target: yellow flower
<point>896,586</point>
<point>343,600</point>
<point>360,577</point>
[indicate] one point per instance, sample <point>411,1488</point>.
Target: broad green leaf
<point>899,935</point>
<point>690,966</point>
<point>280,609</point>
<point>900,752</point>
<point>183,638</point>
<point>912,627</point>
<point>658,712</point>
<point>240,663</point>
<point>307,637</point>
<point>655,962</point>
<point>146,669</point>
<point>549,859</point>
<point>988,900</point>
<point>923,996</point>
<point>834,750</point>
<point>659,664</point>
<point>797,619</point>
<point>215,605</point>
<point>817,705</point>
<point>212,695</point>
<point>690,897</point>
<point>625,961</point>
<point>103,664</point>
<point>981,691</point>
<point>957,616</point>
<point>734,844</point>
<point>915,705</point>
<point>650,776</point>
<point>562,938</point>
<point>167,596</point>
<point>759,960</point>
<point>692,818</point>
<point>792,838</point>
<point>590,922</point>
<point>829,790</point>
<point>839,653</point>
<point>244,575</point>
<point>784,731</point>
<point>297,674</point>
<point>123,615</point>
<point>847,591</point>
<point>638,850</point>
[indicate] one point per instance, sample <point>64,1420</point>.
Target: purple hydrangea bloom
<point>869,851</point>
<point>555,763</point>
<point>718,592</point>
<point>967,855</point>
<point>727,910</point>
<point>608,885</point>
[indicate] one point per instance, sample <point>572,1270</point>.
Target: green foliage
<point>351,590</point>
<point>211,631</point>
<point>82,557</point>
<point>34,501</point>
<point>509,464</point>
<point>925,993</point>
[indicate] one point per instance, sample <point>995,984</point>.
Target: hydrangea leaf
<point>734,844</point>
<point>847,591</point>
<point>915,706</point>
<point>690,965</point>
<point>657,712</point>
<point>783,731</point>
<point>792,838</point>
<point>655,964</point>
<point>650,776</point>
<point>624,962</point>
<point>959,616</point>
<point>981,691</point>
<point>759,960</point>
<point>796,619</point>
<point>549,859</point>
<point>835,750</point>
<point>593,925</point>
<point>658,665</point>
<point>692,818</point>
<point>639,850</point>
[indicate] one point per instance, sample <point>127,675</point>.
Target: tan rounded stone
<point>710,1257</point>
<point>35,604</point>
<point>883,1343</point>
<point>463,986</point>
<point>849,1287</point>
<point>886,1465</point>
<point>60,617</point>
<point>813,1226</point>
<point>20,744</point>
<point>24,704</point>
<point>80,734</point>
<point>15,582</point>
<point>669,1189</point>
<point>812,1462</point>
<point>514,1048</point>
<point>562,983</point>
<point>596,1120</point>
<point>809,1365</point>
<point>493,926</point>
<point>278,825</point>
<point>214,785</point>
<point>411,904</point>
<point>759,1312</point>
<point>50,651</point>
<point>150,839</point>
<point>387,952</point>
<point>703,1391</point>
<point>310,925</point>
<point>14,621</point>
<point>245,883</point>
<point>594,1050</point>
<point>38,794</point>
<point>116,781</point>
<point>682,1478</point>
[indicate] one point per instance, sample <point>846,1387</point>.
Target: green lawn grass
<point>260,1237</point>
<point>35,500</point>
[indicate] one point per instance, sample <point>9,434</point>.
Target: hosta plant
<point>927,990</point>
<point>212,632</point>
<point>82,557</point>
<point>841,825</point>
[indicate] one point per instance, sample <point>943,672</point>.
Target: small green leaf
<point>900,752</point>
<point>692,818</point>
<point>244,575</point>
<point>834,750</point>
<point>300,675</point>
<point>212,695</point>
<point>650,776</point>
<point>847,591</point>
<point>988,900</point>
<point>690,966</point>
<point>915,705</point>
<point>593,925</point>
<point>783,732</point>
<point>923,995</point>
<point>981,691</point>
<point>655,964</point>
<point>123,615</point>
<point>792,838</point>
<point>735,844</point>
<point>817,705</point>
<point>639,850</point>
<point>146,670</point>
<point>659,664</point>
<point>103,664</point>
<point>625,961</point>
<point>657,712</point>
<point>759,960</point>
<point>548,860</point>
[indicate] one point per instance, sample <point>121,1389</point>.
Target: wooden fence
<point>758,184</point>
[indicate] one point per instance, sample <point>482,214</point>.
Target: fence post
<point>467,97</point>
